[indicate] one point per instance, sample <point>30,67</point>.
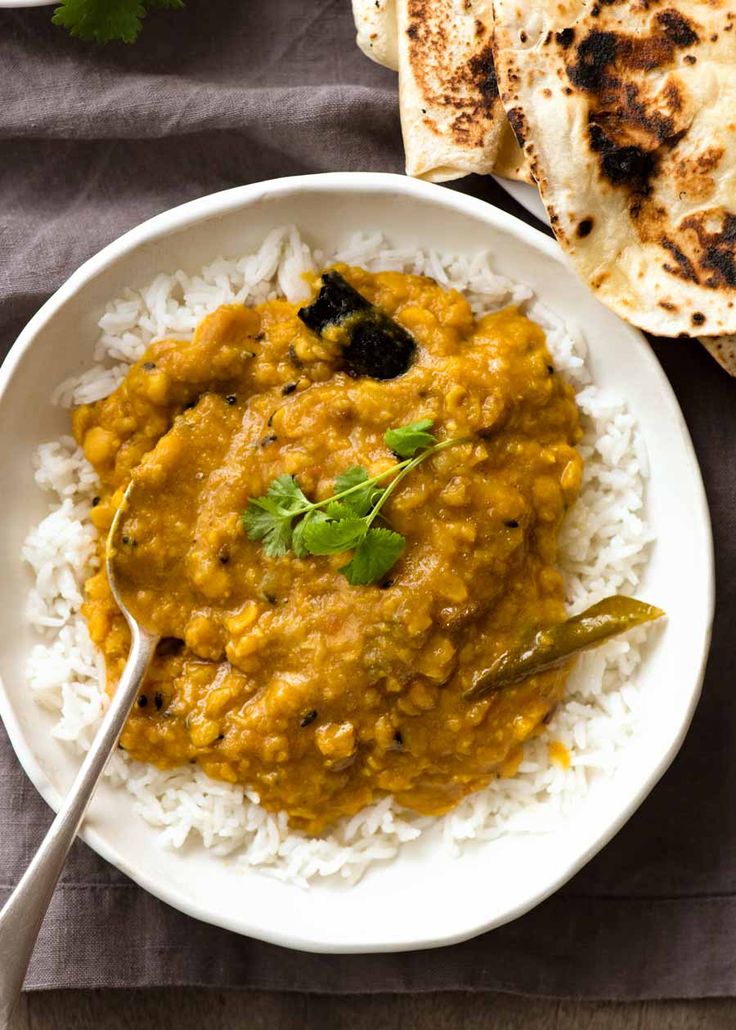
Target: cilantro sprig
<point>103,21</point>
<point>284,519</point>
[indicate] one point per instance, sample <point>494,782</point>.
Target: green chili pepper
<point>554,645</point>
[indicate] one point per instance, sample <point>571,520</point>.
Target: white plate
<point>27,3</point>
<point>526,195</point>
<point>425,898</point>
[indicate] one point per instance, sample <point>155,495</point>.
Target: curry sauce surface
<point>276,673</point>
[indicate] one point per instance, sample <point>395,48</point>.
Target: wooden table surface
<point>190,1008</point>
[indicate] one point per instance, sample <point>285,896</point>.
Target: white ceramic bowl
<point>27,3</point>
<point>425,898</point>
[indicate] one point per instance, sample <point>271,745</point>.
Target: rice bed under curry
<point>603,546</point>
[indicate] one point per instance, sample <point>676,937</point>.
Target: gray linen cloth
<point>92,141</point>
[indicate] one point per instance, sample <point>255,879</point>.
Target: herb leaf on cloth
<point>103,21</point>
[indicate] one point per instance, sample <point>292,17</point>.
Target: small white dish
<point>27,3</point>
<point>427,897</point>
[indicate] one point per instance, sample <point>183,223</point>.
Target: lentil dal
<point>277,673</point>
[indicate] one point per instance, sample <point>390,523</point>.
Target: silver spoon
<point>22,915</point>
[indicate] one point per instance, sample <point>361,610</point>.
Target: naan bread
<point>627,113</point>
<point>375,21</point>
<point>451,114</point>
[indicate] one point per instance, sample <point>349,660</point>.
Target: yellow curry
<point>277,673</point>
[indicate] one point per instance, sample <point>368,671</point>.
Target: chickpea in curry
<point>277,673</point>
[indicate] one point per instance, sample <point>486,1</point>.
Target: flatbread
<point>723,349</point>
<point>377,36</point>
<point>375,22</point>
<point>511,162</point>
<point>451,114</point>
<point>627,113</point>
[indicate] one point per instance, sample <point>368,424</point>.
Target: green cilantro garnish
<point>409,439</point>
<point>285,520</point>
<point>378,552</point>
<point>105,20</point>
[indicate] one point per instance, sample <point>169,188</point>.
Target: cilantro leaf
<point>361,501</point>
<point>101,20</point>
<point>297,541</point>
<point>337,510</point>
<point>407,440</point>
<point>379,551</point>
<point>105,20</point>
<point>285,519</point>
<point>327,537</point>
<point>287,494</point>
<point>263,520</point>
<point>270,518</point>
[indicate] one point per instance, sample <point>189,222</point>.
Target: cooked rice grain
<point>603,550</point>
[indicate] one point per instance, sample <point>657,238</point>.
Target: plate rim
<point>527,195</point>
<point>219,204</point>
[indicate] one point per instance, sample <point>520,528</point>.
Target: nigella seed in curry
<point>231,399</point>
<point>169,646</point>
<point>324,693</point>
<point>142,701</point>
<point>96,501</point>
<point>288,389</point>
<point>148,366</point>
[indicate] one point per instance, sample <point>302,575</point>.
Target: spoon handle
<point>21,918</point>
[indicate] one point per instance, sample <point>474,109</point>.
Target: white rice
<point>603,549</point>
